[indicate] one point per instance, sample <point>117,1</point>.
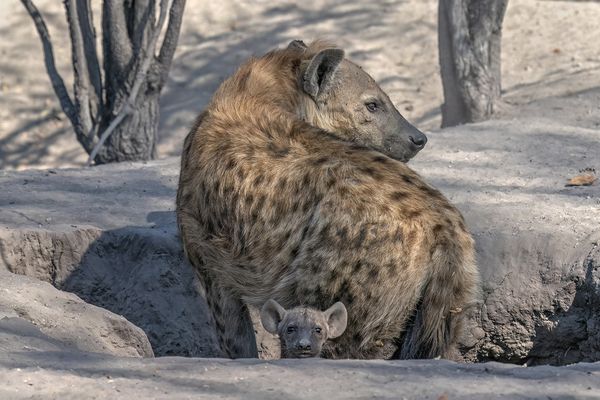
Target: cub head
<point>303,330</point>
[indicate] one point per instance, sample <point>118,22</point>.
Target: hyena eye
<point>372,106</point>
<point>291,329</point>
<point>318,329</point>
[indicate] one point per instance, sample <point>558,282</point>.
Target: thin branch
<point>117,45</point>
<point>57,82</point>
<point>81,79</point>
<point>143,20</point>
<point>86,23</point>
<point>129,105</point>
<point>169,44</point>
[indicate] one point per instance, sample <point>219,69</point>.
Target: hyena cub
<point>303,330</point>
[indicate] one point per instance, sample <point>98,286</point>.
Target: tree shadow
<point>17,151</point>
<point>35,130</point>
<point>550,78</point>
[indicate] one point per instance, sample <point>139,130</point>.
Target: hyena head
<point>342,98</point>
<point>303,330</point>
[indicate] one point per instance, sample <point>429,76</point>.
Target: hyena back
<point>293,187</point>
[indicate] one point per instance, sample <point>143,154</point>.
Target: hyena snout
<point>404,141</point>
<point>414,140</point>
<point>418,138</point>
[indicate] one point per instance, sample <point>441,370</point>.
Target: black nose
<point>303,347</point>
<point>418,141</point>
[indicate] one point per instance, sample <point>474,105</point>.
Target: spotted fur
<point>303,330</point>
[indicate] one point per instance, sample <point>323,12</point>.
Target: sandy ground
<point>551,63</point>
<point>62,375</point>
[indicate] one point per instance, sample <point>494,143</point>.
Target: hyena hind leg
<point>235,331</point>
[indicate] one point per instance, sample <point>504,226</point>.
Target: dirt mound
<point>108,234</point>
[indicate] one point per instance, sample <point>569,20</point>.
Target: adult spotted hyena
<point>293,187</point>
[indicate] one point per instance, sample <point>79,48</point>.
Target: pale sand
<point>551,63</point>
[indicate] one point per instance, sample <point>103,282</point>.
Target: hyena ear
<point>271,315</point>
<point>319,74</point>
<point>337,319</point>
<point>297,45</point>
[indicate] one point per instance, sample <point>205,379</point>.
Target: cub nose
<point>303,345</point>
<point>419,140</point>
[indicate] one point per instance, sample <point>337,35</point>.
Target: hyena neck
<point>268,87</point>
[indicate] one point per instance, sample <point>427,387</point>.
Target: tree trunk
<point>470,34</point>
<point>134,138</point>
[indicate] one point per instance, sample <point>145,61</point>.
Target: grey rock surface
<point>108,234</point>
<point>537,240</point>
<point>36,316</point>
<point>137,272</point>
<point>75,375</point>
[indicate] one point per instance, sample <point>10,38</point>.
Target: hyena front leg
<point>235,331</point>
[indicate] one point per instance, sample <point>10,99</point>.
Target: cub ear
<point>319,75</point>
<point>337,319</point>
<point>271,315</point>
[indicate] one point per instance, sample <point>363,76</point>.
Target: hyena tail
<point>449,289</point>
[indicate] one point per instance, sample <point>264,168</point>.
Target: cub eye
<point>372,106</point>
<point>318,329</point>
<point>291,329</point>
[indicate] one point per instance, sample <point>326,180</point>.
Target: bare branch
<point>117,45</point>
<point>169,44</point>
<point>129,106</point>
<point>150,51</point>
<point>57,82</point>
<point>144,20</point>
<point>86,24</point>
<point>81,78</point>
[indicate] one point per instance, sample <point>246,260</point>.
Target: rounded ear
<point>337,319</point>
<point>319,74</point>
<point>271,315</point>
<point>297,45</point>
